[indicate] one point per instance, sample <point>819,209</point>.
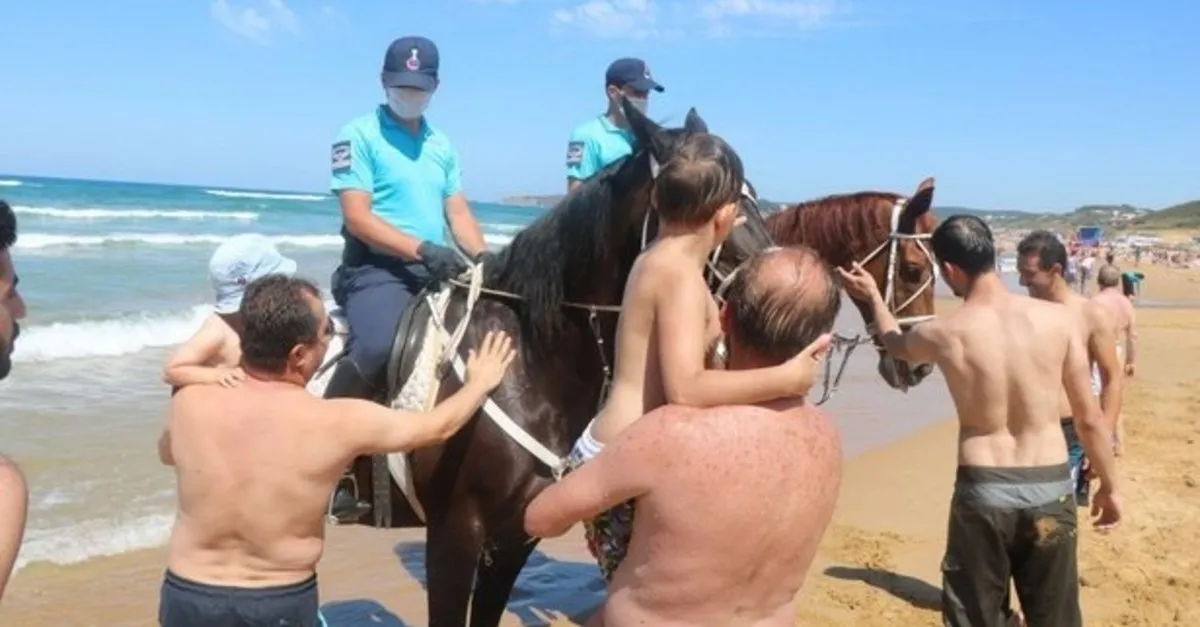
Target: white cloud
<point>632,19</point>
<point>640,19</point>
<point>256,20</point>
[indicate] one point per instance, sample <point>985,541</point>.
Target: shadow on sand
<point>916,592</point>
<point>545,588</point>
<point>359,612</point>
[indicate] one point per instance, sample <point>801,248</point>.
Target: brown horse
<point>556,290</point>
<point>885,232</point>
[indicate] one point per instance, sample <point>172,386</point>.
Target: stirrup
<point>358,510</point>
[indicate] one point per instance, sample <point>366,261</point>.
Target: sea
<point>115,275</point>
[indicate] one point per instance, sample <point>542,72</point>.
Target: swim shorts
<point>607,534</point>
<point>185,603</point>
<point>1076,460</point>
<point>1017,523</point>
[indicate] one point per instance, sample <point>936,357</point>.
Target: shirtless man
<point>255,463</point>
<point>14,493</point>
<point>732,501</point>
<point>1040,256</point>
<point>1120,313</point>
<point>1012,514</point>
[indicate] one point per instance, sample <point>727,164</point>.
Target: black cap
<point>631,72</point>
<point>411,62</point>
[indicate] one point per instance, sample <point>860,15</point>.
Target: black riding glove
<point>441,262</point>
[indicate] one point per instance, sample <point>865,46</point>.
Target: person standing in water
<point>1012,515</point>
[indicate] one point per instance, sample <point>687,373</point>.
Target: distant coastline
<point>544,201</point>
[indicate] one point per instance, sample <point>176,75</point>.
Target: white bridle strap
<point>892,245</point>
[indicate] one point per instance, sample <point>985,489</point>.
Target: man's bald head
<point>1109,276</point>
<point>781,302</point>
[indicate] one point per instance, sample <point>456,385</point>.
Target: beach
<point>113,284</point>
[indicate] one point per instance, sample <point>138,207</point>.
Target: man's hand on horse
<point>487,364</point>
<point>441,262</point>
<point>805,367</point>
<point>486,256</point>
<point>859,283</point>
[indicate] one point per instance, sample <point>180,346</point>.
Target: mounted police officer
<point>606,138</point>
<point>398,181</point>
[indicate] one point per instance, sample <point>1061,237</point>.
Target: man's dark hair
<point>704,175</point>
<point>8,227</point>
<point>276,317</point>
<point>782,301</point>
<point>965,241</point>
<point>1047,247</point>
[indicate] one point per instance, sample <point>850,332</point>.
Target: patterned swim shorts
<point>607,534</point>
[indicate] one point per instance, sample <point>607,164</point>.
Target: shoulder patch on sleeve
<point>341,157</point>
<point>574,153</point>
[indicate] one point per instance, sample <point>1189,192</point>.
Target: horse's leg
<point>497,572</point>
<point>451,553</point>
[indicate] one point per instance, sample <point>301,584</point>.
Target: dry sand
<point>878,565</point>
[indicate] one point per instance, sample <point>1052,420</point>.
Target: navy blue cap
<point>411,62</point>
<point>631,72</point>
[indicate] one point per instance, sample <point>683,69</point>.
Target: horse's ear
<point>918,205</point>
<point>643,128</point>
<point>693,123</point>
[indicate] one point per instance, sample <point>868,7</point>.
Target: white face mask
<point>407,103</point>
<point>641,104</point>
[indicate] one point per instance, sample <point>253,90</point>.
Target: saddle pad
<point>419,392</point>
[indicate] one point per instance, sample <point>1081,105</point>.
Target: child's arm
<point>679,317</point>
<point>188,365</point>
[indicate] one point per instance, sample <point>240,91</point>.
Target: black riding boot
<point>346,382</point>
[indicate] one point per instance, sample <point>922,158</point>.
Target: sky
<point>1022,104</point>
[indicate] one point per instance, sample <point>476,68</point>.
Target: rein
<point>848,344</point>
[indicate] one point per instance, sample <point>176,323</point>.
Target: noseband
<point>846,345</point>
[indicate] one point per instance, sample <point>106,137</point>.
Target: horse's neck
<point>833,251</point>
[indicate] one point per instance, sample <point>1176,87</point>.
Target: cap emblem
<point>413,63</point>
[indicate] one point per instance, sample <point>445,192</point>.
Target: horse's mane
<point>836,226</point>
<point>571,248</point>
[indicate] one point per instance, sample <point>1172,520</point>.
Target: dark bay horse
<point>885,232</point>
<point>556,289</point>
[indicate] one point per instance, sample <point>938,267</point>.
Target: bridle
<point>846,345</point>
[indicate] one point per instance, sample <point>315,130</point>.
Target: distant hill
<point>1110,217</point>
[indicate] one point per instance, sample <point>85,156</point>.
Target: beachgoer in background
<point>606,138</point>
<point>1121,314</point>
<point>732,501</point>
<point>213,354</point>
<point>1040,258</point>
<point>254,464</point>
<point>1012,515</point>
<point>398,181</point>
<point>1131,284</point>
<point>14,492</point>
<point>1085,271</point>
<point>670,326</point>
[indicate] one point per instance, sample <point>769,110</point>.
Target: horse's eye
<point>910,273</point>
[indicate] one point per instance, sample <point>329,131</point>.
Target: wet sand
<point>878,565</point>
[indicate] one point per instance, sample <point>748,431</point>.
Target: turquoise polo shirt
<point>594,145</point>
<point>408,176</point>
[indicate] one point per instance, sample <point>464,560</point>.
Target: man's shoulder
<point>364,126</point>
<point>587,130</point>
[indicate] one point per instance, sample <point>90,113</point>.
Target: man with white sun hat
<point>214,352</point>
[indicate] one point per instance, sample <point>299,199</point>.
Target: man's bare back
<point>1121,316</point>
<point>256,464</point>
<point>996,357</point>
<point>727,468</point>
<point>637,385</point>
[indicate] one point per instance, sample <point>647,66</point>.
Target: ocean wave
<point>10,183</point>
<point>137,214</point>
<point>265,195</point>
<point>122,335</point>
<point>81,541</point>
<point>43,241</point>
